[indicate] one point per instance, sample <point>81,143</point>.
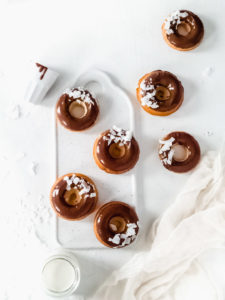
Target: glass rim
<point>74,285</point>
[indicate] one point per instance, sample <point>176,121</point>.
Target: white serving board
<point>74,154</point>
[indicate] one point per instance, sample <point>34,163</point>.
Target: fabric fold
<point>194,223</point>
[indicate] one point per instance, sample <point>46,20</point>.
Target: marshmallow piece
<point>43,79</point>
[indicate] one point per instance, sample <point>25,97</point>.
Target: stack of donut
<point>74,196</point>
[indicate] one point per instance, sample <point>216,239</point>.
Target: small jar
<point>60,274</point>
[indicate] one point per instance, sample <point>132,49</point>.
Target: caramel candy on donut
<point>116,151</point>
<point>183,30</point>
<point>77,109</point>
<point>73,196</point>
<point>160,93</point>
<point>179,152</point>
<point>116,224</point>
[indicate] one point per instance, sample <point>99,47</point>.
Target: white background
<point>122,37</point>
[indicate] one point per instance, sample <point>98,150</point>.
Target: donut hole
<point>117,224</point>
<point>183,29</point>
<point>72,197</point>
<point>181,153</point>
<point>162,93</point>
<point>77,109</point>
<point>117,150</point>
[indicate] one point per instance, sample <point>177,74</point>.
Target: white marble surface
<point>124,39</point>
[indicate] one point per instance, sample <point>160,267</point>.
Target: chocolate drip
<point>42,69</point>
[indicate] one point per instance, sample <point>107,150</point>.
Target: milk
<point>60,275</point>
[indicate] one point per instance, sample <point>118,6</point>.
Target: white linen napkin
<point>195,222</point>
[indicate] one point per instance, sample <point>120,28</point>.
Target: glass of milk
<point>60,274</point>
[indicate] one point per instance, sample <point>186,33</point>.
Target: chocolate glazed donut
<point>160,93</point>
<point>116,224</point>
<point>116,151</point>
<point>179,152</point>
<point>77,109</point>
<point>73,196</point>
<point>183,30</point>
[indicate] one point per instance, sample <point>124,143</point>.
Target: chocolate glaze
<point>166,79</point>
<point>82,209</point>
<point>193,38</point>
<point>188,141</point>
<point>106,213</point>
<point>42,69</point>
<point>127,162</point>
<point>76,124</point>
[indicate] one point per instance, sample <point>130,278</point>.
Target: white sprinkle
<point>170,155</point>
<point>127,237</point>
<point>174,19</point>
<point>166,144</point>
<point>166,150</point>
<point>117,129</point>
<point>207,72</point>
<point>210,133</point>
<point>85,188</point>
<point>131,229</point>
<point>34,167</point>
<point>14,112</point>
<point>149,99</point>
<point>69,182</point>
<point>146,87</point>
<point>118,135</point>
<point>170,87</point>
<point>75,180</point>
<point>115,239</point>
<point>126,241</point>
<point>82,185</point>
<point>79,95</point>
<point>168,160</point>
